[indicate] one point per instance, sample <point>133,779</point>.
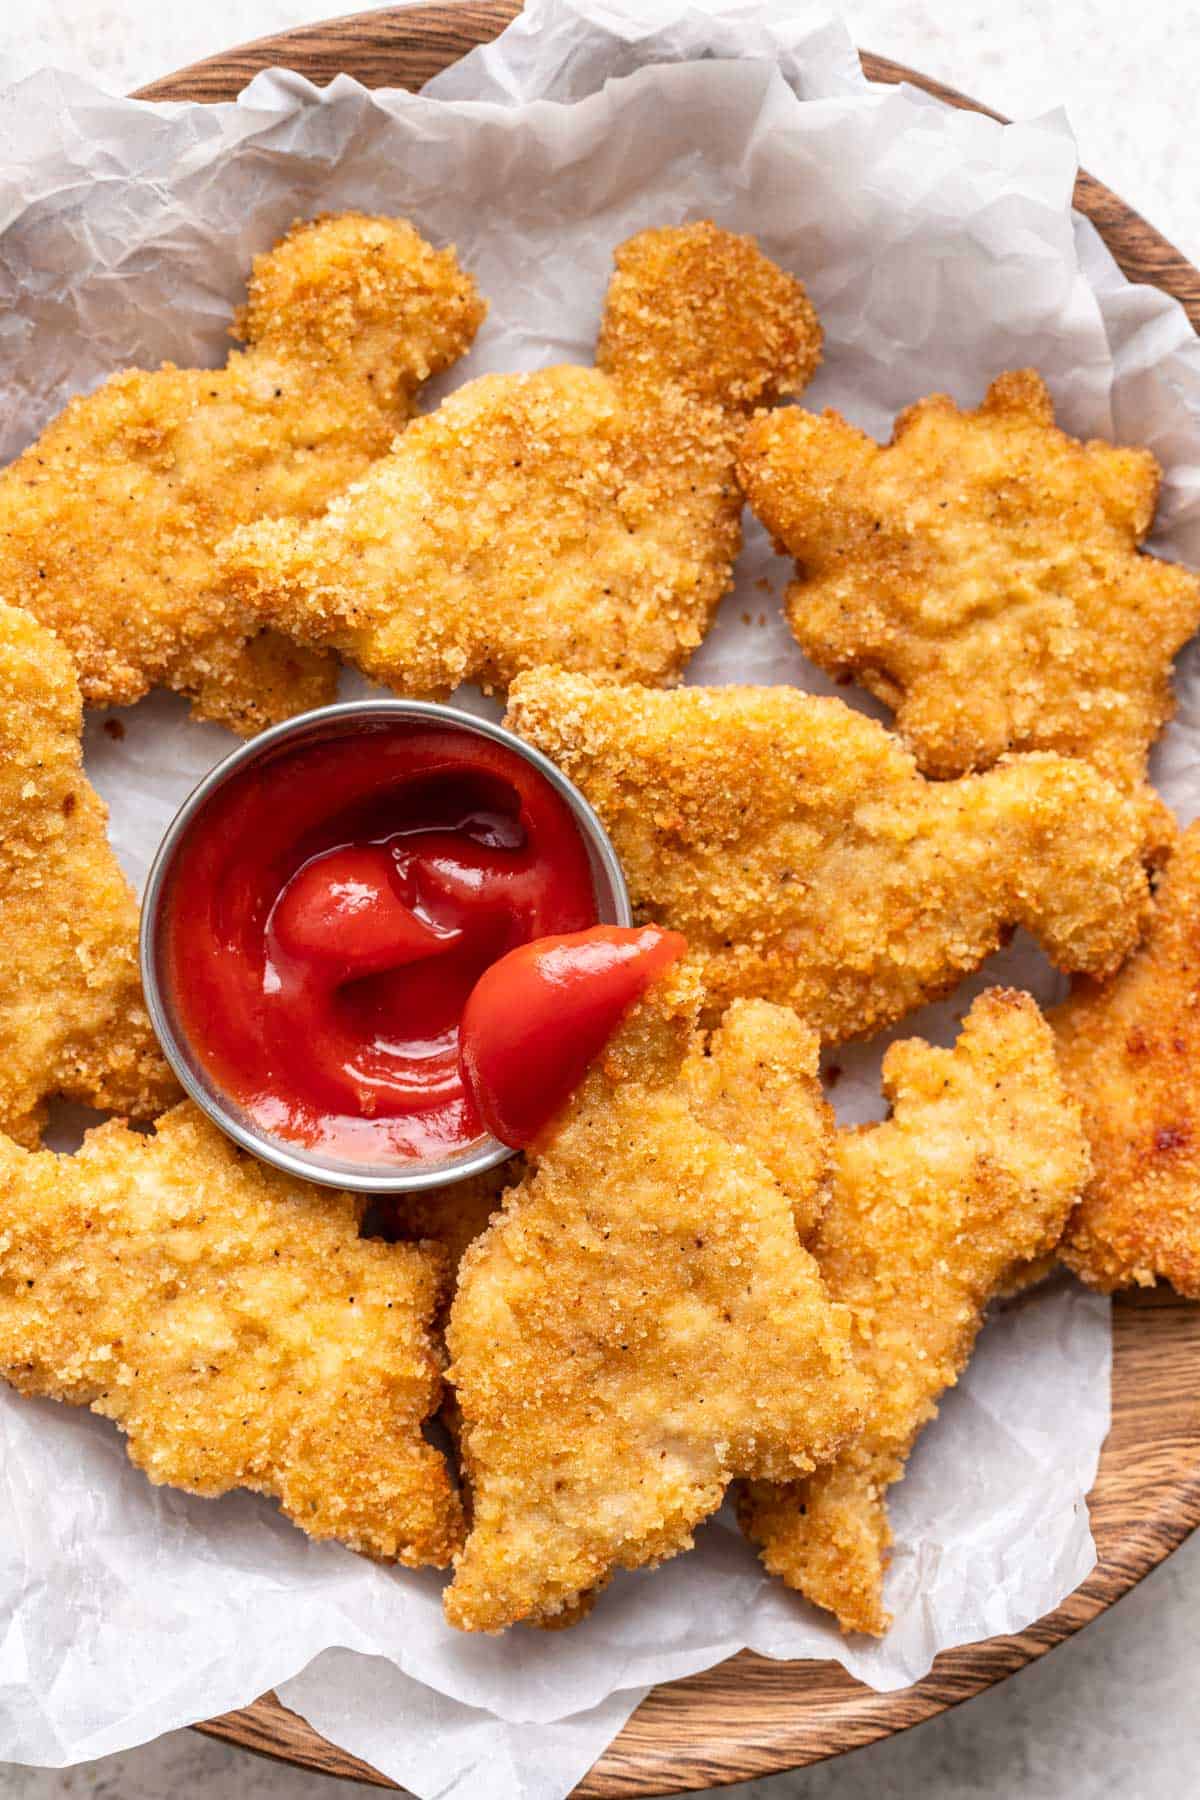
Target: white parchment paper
<point>940,249</point>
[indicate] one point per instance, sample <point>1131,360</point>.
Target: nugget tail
<point>249,684</point>
<point>707,311</point>
<point>272,571</point>
<point>828,1536</point>
<point>1071,850</point>
<point>794,466</point>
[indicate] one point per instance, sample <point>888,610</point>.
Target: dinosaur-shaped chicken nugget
<point>981,575</point>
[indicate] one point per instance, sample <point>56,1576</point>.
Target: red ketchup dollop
<point>537,1018</point>
<point>330,912</point>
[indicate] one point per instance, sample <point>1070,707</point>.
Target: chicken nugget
<point>1130,1054</point>
<point>234,1325</point>
<point>109,522</point>
<point>72,1019</point>
<point>981,575</point>
<point>932,1213</point>
<point>637,1327</point>
<point>806,860</point>
<point>582,516</point>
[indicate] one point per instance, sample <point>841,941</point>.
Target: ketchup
<point>329,913</point>
<point>537,1018</point>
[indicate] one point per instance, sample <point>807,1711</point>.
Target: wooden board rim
<point>750,1716</point>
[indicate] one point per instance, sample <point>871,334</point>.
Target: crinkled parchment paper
<point>940,249</point>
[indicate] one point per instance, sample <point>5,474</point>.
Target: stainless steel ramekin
<point>612,906</point>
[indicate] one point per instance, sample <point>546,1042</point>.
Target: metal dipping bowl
<point>328,722</point>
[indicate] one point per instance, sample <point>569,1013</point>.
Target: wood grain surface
<point>750,1716</point>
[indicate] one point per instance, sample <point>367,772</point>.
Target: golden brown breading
<point>806,861</point>
<point>234,1325</point>
<point>980,574</point>
<point>582,516</point>
<point>931,1214</point>
<point>1130,1054</point>
<point>756,1082</point>
<point>707,311</point>
<point>108,523</point>
<point>637,1327</point>
<point>72,1021</point>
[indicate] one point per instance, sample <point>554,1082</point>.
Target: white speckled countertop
<point>1114,1711</point>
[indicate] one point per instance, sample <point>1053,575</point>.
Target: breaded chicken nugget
<point>72,1021</point>
<point>582,516</point>
<point>981,575</point>
<point>637,1327</point>
<point>234,1325</point>
<point>806,860</point>
<point>1130,1054</point>
<point>932,1212</point>
<point>108,523</point>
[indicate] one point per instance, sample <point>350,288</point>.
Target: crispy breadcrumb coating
<point>583,516</point>
<point>234,1325</point>
<point>72,1021</point>
<point>931,1214</point>
<point>980,574</point>
<point>1130,1054</point>
<point>706,310</point>
<point>638,1326</point>
<point>108,523</point>
<point>806,860</point>
<point>756,1082</point>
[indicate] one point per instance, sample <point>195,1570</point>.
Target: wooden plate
<point>750,1716</point>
